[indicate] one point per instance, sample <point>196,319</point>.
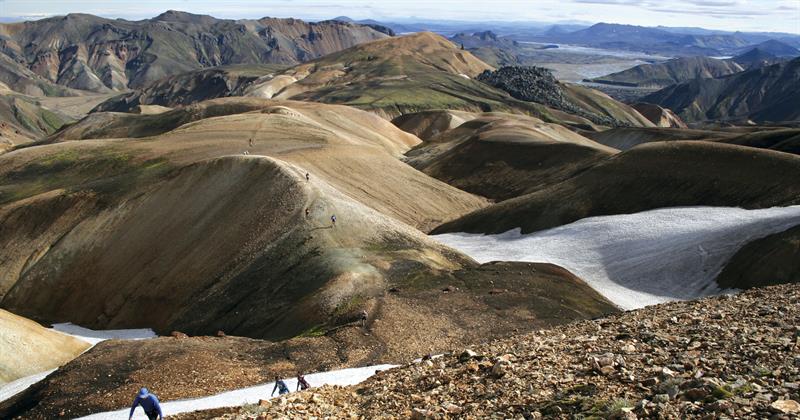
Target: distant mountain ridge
<point>677,42</point>
<point>671,72</point>
<point>87,52</point>
<point>776,48</point>
<point>766,94</point>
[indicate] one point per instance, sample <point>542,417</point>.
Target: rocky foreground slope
<point>727,356</point>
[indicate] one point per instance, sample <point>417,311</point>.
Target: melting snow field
<point>90,336</point>
<point>249,395</point>
<point>94,336</point>
<point>15,387</point>
<point>639,259</point>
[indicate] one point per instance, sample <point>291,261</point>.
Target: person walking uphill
<point>333,220</point>
<point>280,386</point>
<point>149,403</point>
<point>302,384</point>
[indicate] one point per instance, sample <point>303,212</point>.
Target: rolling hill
<point>625,138</point>
<point>661,117</point>
<point>23,119</point>
<point>92,53</point>
<point>500,156</point>
<point>654,175</point>
<point>767,261</point>
<point>243,256</point>
<point>216,239</point>
<point>761,95</point>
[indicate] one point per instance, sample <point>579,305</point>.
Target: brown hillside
<point>28,348</point>
<point>500,156</point>
<point>414,319</point>
<point>428,124</point>
<point>625,138</point>
<point>228,231</point>
<point>650,176</point>
<point>772,260</point>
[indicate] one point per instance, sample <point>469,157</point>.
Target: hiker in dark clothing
<point>302,384</point>
<point>307,212</point>
<point>149,403</point>
<point>333,220</point>
<point>280,386</point>
<point>308,177</point>
<point>363,318</point>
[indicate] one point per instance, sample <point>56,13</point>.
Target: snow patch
<point>95,336</point>
<point>15,387</point>
<point>639,259</point>
<point>249,395</point>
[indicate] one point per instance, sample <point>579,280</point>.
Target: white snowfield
<point>249,395</point>
<point>639,259</point>
<point>15,387</point>
<point>95,336</point>
<point>90,336</point>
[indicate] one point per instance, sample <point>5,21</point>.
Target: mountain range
<point>391,76</point>
<point>87,52</point>
<point>762,94</point>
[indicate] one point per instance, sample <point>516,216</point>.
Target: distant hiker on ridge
<point>302,384</point>
<point>280,386</point>
<point>251,142</point>
<point>363,318</point>
<point>308,177</point>
<point>333,220</point>
<point>149,404</point>
<point>307,212</point>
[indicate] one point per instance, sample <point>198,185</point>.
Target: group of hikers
<point>152,408</point>
<point>308,211</point>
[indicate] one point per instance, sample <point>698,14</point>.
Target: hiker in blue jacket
<point>149,403</point>
<point>280,386</point>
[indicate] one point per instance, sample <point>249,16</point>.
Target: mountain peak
<point>181,16</point>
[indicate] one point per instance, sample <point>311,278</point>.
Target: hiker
<point>308,177</point>
<point>280,386</point>
<point>149,404</point>
<point>363,318</point>
<point>333,220</point>
<point>307,212</point>
<point>251,142</point>
<point>302,384</point>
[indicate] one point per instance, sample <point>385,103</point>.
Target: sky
<point>745,15</point>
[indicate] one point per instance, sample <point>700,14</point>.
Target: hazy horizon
<point>728,15</point>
